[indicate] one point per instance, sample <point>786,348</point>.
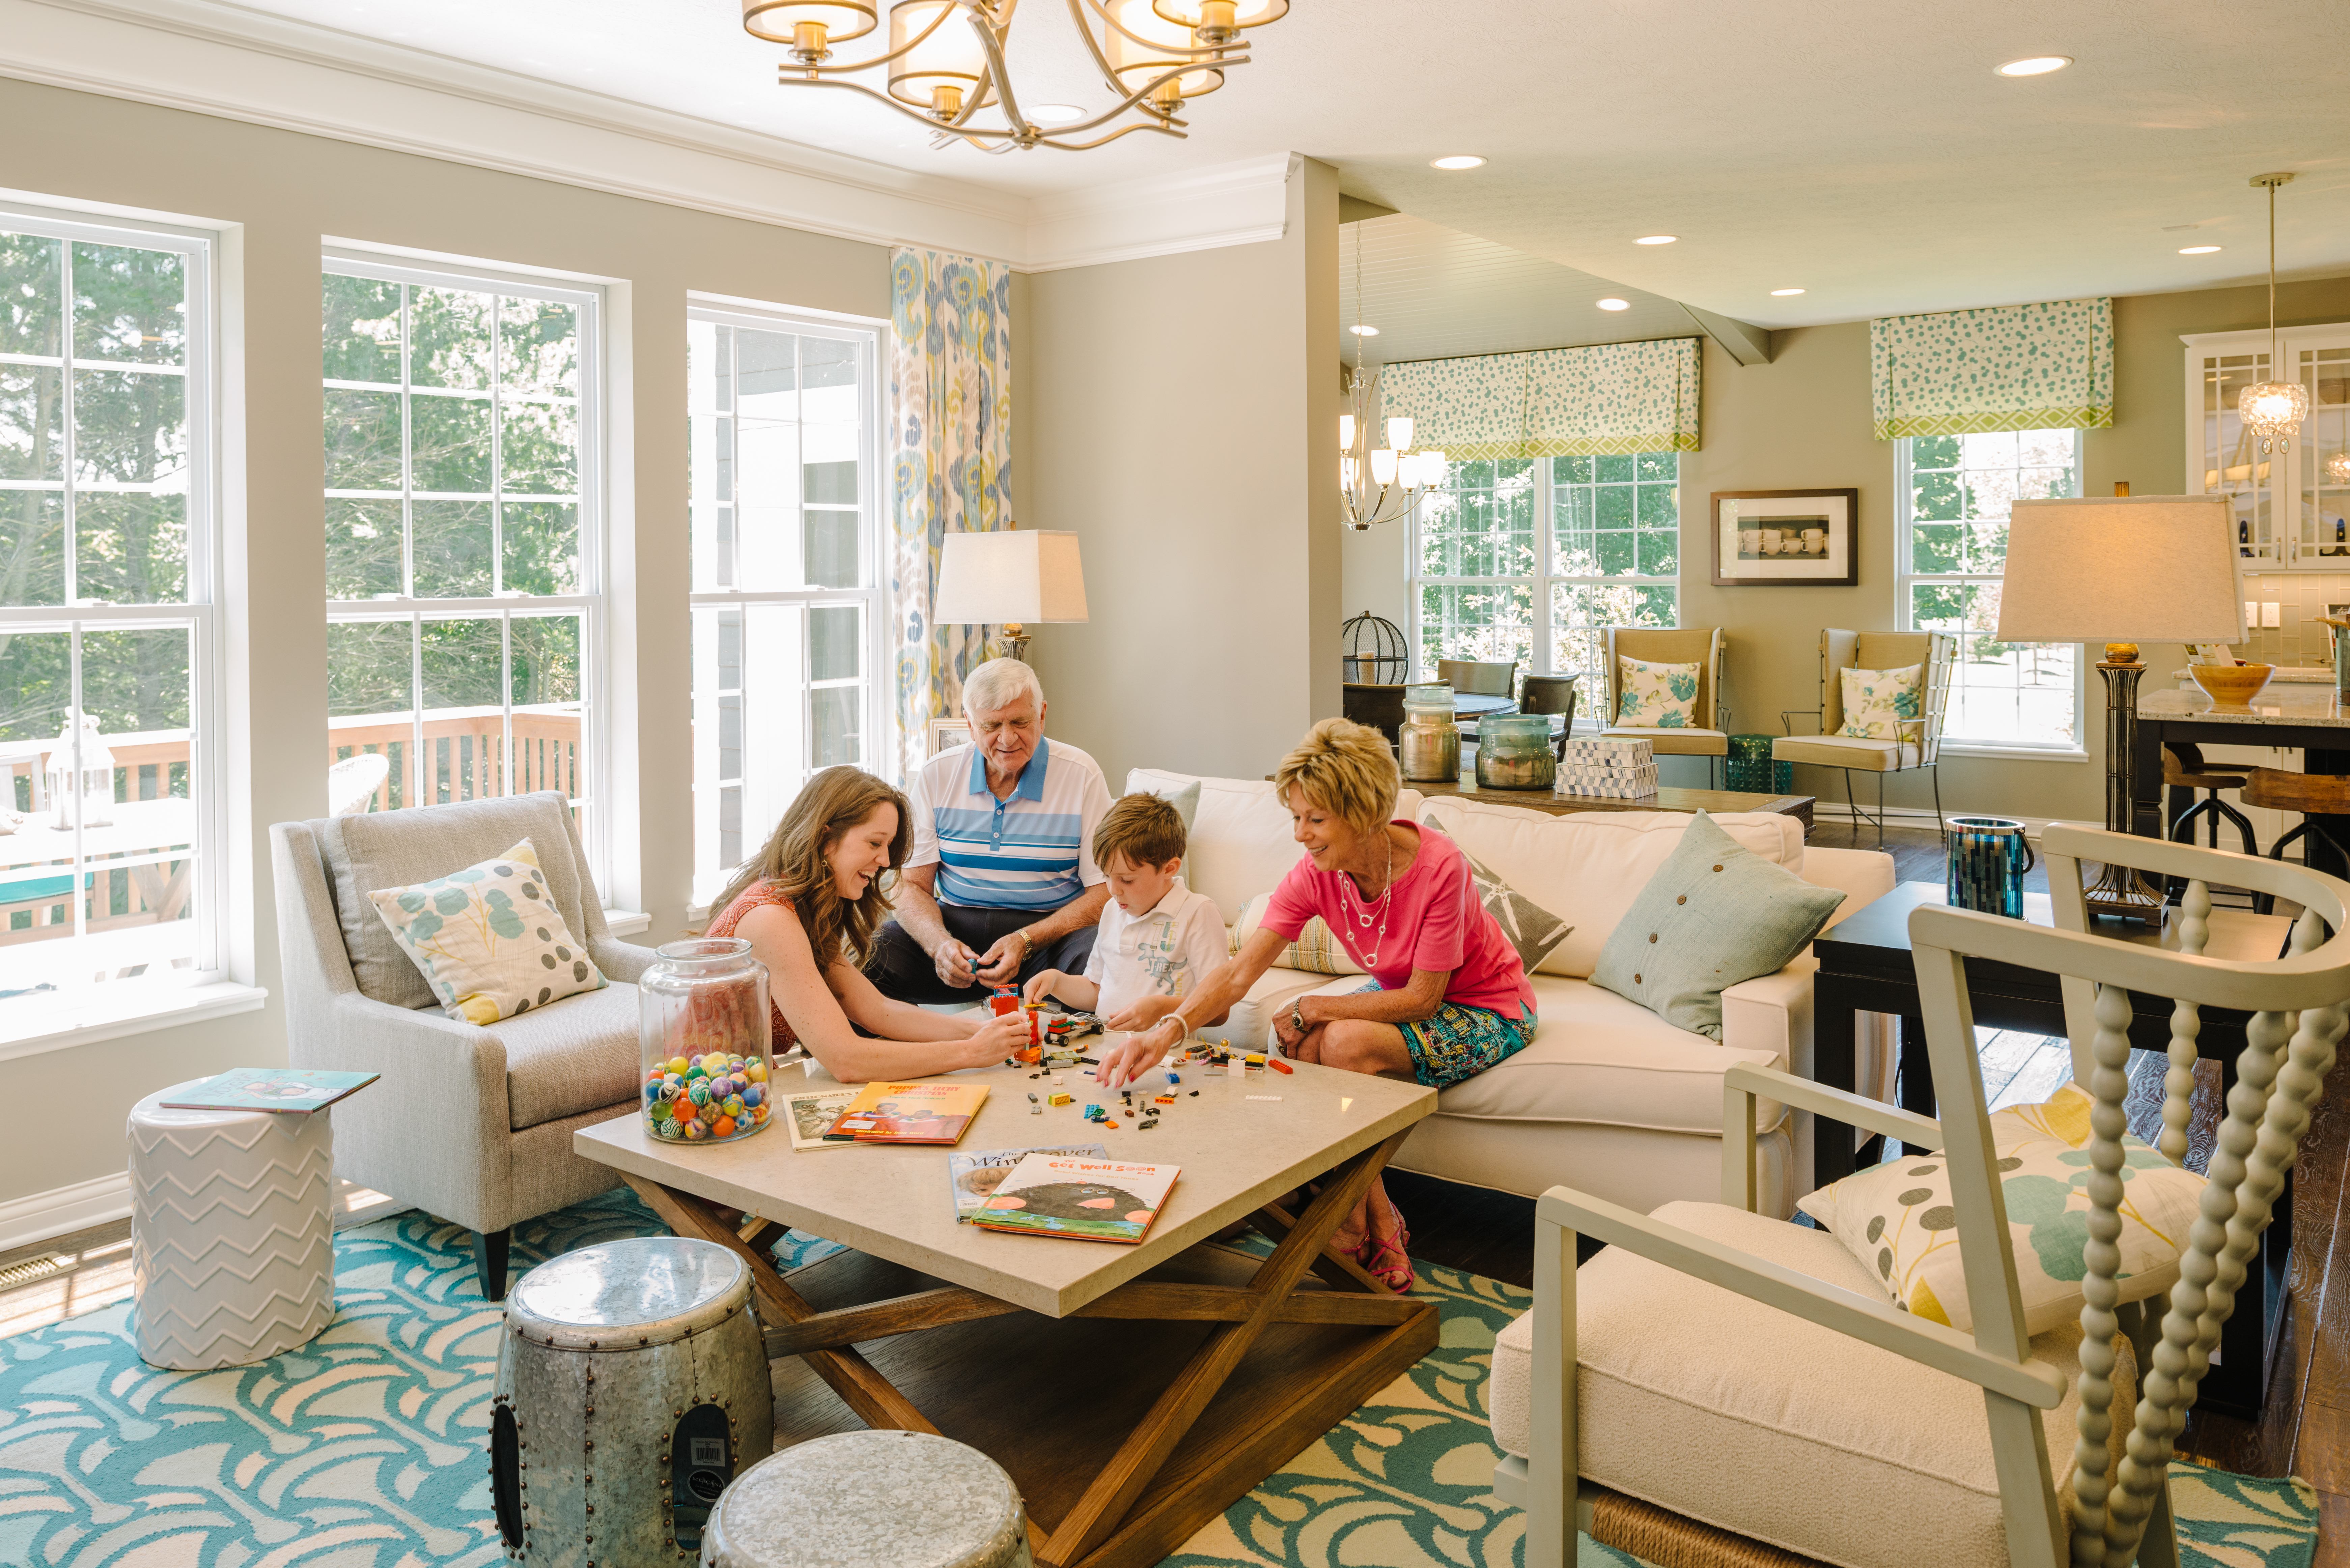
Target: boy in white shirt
<point>1158,938</point>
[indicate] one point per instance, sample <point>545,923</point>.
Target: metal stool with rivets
<point>639,1361</point>
<point>874,1500</point>
<point>2183,767</point>
<point>2324,801</point>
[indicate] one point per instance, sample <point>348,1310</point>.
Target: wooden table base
<point>1198,1380</point>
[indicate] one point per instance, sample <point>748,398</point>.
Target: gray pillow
<point>1183,797</point>
<point>1534,930</point>
<point>1714,914</point>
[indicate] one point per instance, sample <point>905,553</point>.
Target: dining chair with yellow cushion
<point>1664,687</point>
<point>1900,689</point>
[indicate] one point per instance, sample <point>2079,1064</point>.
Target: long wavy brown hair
<point>826,808</point>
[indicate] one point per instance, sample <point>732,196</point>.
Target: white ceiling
<point>1861,150</point>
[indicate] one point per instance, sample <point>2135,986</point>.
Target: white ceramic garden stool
<point>232,1232</point>
<point>890,1500</point>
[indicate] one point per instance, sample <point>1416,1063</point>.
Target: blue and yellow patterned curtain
<point>1610,397</point>
<point>949,464</point>
<point>2013,367</point>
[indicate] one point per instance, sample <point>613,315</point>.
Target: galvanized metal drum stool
<point>890,1500</point>
<point>632,1385</point>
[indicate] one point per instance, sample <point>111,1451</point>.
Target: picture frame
<point>1785,539</point>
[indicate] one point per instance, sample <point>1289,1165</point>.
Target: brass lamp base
<point>2119,891</point>
<point>1012,643</point>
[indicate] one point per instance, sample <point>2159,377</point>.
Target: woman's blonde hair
<point>1345,768</point>
<point>824,813</point>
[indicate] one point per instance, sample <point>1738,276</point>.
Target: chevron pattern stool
<point>232,1232</point>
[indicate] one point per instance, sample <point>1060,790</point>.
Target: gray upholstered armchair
<point>469,1124</point>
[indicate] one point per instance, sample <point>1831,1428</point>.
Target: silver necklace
<point>1382,903</point>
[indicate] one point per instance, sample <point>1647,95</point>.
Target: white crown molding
<point>228,61</point>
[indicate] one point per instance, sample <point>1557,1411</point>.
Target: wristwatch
<point>1296,1015</point>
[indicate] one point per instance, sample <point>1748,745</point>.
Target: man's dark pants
<point>902,972</point>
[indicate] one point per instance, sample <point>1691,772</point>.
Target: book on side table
<point>294,1090</point>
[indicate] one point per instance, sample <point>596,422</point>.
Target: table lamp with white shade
<point>1016,579</point>
<point>2124,570</point>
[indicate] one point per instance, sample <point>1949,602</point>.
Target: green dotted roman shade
<point>1610,397</point>
<point>2014,367</point>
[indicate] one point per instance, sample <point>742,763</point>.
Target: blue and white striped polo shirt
<point>1033,851</point>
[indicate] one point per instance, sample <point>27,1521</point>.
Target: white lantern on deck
<point>90,775</point>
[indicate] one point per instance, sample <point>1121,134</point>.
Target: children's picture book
<point>1073,1195</point>
<point>910,1113</point>
<point>973,1178</point>
<point>299,1090</point>
<point>810,1113</point>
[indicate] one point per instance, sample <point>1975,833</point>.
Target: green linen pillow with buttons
<point>1714,914</point>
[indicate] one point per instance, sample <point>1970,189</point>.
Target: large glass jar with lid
<point>1513,751</point>
<point>1429,741</point>
<point>702,1034</point>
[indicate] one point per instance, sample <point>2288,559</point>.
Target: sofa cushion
<point>572,1055</point>
<point>395,848</point>
<point>1586,867</point>
<point>1183,797</point>
<point>1532,930</point>
<point>1677,743</point>
<point>1240,843</point>
<point>1707,1403</point>
<point>1714,914</point>
<point>1317,951</point>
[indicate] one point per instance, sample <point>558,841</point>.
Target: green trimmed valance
<point>1558,402</point>
<point>2014,367</point>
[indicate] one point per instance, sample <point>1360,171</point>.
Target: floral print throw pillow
<point>1656,696</point>
<point>1897,1219</point>
<point>1885,704</point>
<point>489,938</point>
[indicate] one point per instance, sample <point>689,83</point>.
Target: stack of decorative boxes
<point>1610,767</point>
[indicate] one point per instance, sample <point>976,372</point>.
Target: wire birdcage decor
<point>1374,652</point>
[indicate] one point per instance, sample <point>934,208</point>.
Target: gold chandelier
<point>1379,483</point>
<point>2272,410</point>
<point>944,66</point>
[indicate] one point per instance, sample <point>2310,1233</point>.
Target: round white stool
<point>232,1232</point>
<point>891,1500</point>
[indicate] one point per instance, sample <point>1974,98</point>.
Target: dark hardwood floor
<point>2306,1429</point>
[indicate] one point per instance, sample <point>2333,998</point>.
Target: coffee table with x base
<point>1198,1369</point>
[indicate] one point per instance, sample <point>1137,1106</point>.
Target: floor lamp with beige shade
<point>1016,579</point>
<point>2122,571</point>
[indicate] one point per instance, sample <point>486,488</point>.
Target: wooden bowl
<point>2231,685</point>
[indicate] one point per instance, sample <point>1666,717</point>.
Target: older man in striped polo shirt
<point>1000,883</point>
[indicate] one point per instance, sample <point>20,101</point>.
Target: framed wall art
<point>1785,539</point>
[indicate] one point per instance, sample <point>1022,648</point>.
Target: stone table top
<point>2278,704</point>
<point>1237,1152</point>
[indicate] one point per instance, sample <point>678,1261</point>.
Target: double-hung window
<point>1951,494</point>
<point>1531,560</point>
<point>463,538</point>
<point>787,559</point>
<point>109,702</point>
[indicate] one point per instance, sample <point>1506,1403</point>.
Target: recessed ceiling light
<point>1056,113</point>
<point>1361,331</point>
<point>1656,239</point>
<point>1615,305</point>
<point>1458,161</point>
<point>1783,292</point>
<point>2037,65</point>
<point>2197,250</point>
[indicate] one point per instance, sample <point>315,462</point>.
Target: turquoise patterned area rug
<point>364,1450</point>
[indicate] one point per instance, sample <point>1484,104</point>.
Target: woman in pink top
<point>1448,996</point>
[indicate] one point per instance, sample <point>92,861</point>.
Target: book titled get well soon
<point>910,1113</point>
<point>1071,1195</point>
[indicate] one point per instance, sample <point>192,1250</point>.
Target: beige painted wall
<point>280,195</point>
<point>1165,417</point>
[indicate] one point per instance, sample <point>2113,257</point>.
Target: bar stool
<point>2324,801</point>
<point>2183,767</point>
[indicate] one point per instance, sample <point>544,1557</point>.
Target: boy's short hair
<point>1144,828</point>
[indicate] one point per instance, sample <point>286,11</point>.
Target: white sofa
<point>1608,1098</point>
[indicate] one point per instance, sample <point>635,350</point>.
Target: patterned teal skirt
<point>1460,1042</point>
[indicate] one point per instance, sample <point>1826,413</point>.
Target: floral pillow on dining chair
<point>1652,696</point>
<point>1884,704</point>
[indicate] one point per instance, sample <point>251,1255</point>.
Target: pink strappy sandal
<point>1385,1258</point>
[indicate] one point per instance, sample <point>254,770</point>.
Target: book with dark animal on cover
<point>1073,1195</point>
<point>974,1176</point>
<point>910,1113</point>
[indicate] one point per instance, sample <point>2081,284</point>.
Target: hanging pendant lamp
<point>2272,410</point>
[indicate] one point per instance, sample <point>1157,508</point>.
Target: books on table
<point>973,1178</point>
<point>810,1113</point>
<point>294,1090</point>
<point>910,1113</point>
<point>1090,1198</point>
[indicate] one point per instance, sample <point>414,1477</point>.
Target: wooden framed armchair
<point>1698,645</point>
<point>1920,745</point>
<point>1722,1388</point>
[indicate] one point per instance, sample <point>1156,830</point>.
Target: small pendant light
<point>2273,410</point>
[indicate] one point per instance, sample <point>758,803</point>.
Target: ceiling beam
<point>1354,209</point>
<point>1741,340</point>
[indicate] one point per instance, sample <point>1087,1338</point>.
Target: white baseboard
<point>1921,817</point>
<point>64,1210</point>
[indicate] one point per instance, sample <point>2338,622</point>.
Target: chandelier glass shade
<point>2271,411</point>
<point>2337,468</point>
<point>944,61</point>
<point>1379,484</point>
